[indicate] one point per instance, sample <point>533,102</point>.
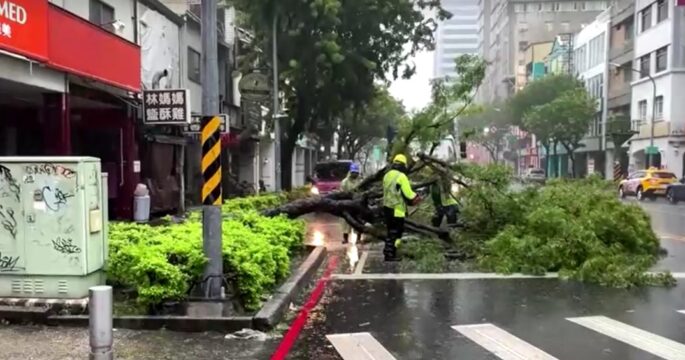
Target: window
<point>556,6</point>
<point>596,51</point>
<point>661,11</point>
<point>642,110</point>
<point>628,72</point>
<point>102,15</point>
<point>193,65</point>
<point>644,66</point>
<point>646,17</point>
<point>659,108</point>
<point>598,125</point>
<point>565,26</point>
<point>629,29</point>
<point>549,25</point>
<point>662,59</point>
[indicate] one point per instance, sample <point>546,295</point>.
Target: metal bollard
<point>100,322</point>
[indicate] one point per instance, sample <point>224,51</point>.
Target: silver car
<point>535,175</point>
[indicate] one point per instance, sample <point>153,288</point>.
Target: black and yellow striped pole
<point>211,160</point>
<point>618,174</point>
<point>210,133</point>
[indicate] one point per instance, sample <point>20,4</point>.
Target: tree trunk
<point>287,149</point>
<point>571,158</point>
<point>290,140</point>
<point>557,161</point>
<point>548,167</point>
<point>339,153</point>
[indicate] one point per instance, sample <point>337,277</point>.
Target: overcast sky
<point>415,92</point>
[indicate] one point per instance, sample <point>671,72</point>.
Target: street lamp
<point>650,156</point>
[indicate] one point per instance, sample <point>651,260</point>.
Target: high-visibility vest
<point>393,182</point>
<point>349,184</point>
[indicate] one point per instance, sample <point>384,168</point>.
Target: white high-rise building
<point>456,36</point>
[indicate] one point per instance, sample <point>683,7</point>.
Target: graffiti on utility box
<point>9,187</point>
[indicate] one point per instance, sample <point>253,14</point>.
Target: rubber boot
<point>346,238</point>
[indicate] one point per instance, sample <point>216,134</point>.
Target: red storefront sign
<point>24,27</point>
<point>80,47</point>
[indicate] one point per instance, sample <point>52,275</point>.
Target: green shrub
<point>578,228</point>
<point>161,263</point>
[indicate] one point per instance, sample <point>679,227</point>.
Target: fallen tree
<point>577,228</point>
<point>362,210</point>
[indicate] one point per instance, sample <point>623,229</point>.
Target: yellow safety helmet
<point>400,159</point>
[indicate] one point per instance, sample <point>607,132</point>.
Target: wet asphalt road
<point>413,319</point>
<point>668,221</point>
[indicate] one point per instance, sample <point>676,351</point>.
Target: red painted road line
<point>296,327</point>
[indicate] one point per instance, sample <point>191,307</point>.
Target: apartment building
<point>514,24</point>
<point>456,36</point>
<point>659,79</point>
<point>620,76</point>
<point>591,65</point>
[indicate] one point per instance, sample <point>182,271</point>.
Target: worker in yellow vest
<point>349,183</point>
<point>397,193</point>
<point>445,203</point>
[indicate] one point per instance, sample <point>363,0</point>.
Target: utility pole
<point>211,214</point>
<point>275,114</point>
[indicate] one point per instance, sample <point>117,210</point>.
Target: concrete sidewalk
<point>59,343</point>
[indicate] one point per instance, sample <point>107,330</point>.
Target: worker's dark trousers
<point>395,226</point>
<point>450,211</point>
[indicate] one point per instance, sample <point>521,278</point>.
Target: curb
<point>273,311</point>
<point>267,317</point>
<point>175,323</point>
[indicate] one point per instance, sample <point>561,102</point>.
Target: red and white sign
<point>24,27</point>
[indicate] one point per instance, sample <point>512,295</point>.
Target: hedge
<point>161,263</point>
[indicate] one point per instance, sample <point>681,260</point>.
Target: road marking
<point>445,276</point>
<point>665,236</point>
<point>297,325</point>
<point>359,346</point>
<point>462,276</point>
<point>362,261</point>
<point>501,343</point>
<point>643,340</point>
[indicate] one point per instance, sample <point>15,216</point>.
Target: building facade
<point>620,76</point>
<point>659,78</point>
<point>456,36</point>
<point>514,24</point>
<point>69,85</point>
<point>591,65</point>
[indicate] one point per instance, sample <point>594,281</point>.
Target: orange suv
<point>648,183</point>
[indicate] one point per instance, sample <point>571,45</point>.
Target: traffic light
<point>462,149</point>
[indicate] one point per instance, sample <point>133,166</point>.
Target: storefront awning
<point>82,48</point>
<point>39,31</point>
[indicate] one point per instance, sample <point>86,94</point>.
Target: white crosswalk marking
<point>643,340</point>
<point>359,346</point>
<point>501,343</point>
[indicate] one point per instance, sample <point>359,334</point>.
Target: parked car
<point>676,192</point>
<point>650,183</point>
<point>535,175</point>
<point>328,175</point>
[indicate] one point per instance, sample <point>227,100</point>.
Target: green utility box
<point>53,226</point>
